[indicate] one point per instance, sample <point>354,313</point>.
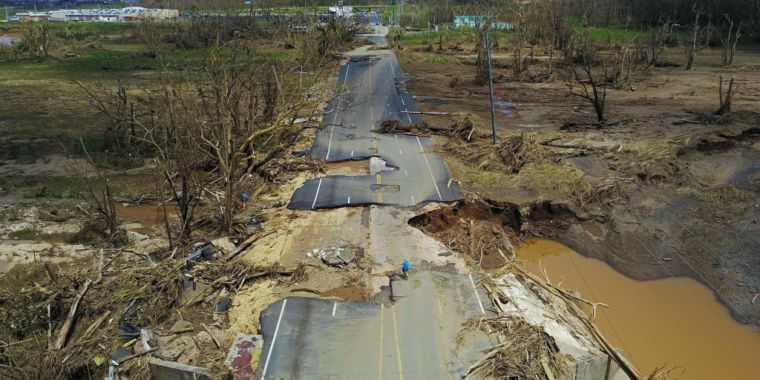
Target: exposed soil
<point>486,230</point>
<point>352,292</point>
<point>655,194</point>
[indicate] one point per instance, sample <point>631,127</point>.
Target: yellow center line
<point>379,181</point>
<point>369,99</point>
<point>398,347</point>
<point>382,338</point>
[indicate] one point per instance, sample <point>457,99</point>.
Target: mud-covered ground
<point>652,194</point>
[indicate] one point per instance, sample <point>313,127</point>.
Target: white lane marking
<point>407,115</point>
<point>393,70</point>
<point>335,305</point>
<point>399,152</point>
<point>402,101</point>
<point>274,338</point>
<point>316,194</point>
<point>399,146</point>
<point>352,153</point>
<point>474,289</point>
<point>406,173</point>
<point>329,144</point>
<point>337,108</point>
<point>413,202</point>
<point>349,200</point>
<point>429,169</point>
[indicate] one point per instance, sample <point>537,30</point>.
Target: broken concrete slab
<point>181,325</point>
<point>378,165</point>
<point>225,244</point>
<point>165,370</point>
<point>243,356</point>
<point>399,287</point>
<point>337,256</point>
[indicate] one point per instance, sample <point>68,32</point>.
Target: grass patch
<point>25,234</point>
<point>621,33</point>
<point>64,187</point>
<point>35,235</point>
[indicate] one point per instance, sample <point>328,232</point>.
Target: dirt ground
<point>652,194</point>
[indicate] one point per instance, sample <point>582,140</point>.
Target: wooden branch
<point>213,338</point>
<point>130,357</point>
<point>429,113</point>
<point>92,327</point>
<point>63,335</point>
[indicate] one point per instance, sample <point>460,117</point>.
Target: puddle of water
<point>505,108</point>
<point>673,322</point>
<point>8,40</point>
<point>149,216</point>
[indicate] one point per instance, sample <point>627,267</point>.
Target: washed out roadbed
<point>652,194</point>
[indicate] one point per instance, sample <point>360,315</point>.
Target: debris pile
<point>509,156</point>
<point>526,352</point>
<point>544,332</point>
<point>337,257</point>
<point>65,324</point>
<point>483,230</point>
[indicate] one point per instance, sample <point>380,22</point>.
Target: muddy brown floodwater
<point>676,322</point>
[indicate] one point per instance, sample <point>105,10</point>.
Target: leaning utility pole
<point>490,87</point>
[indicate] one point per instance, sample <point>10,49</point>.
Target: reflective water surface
<point>676,322</point>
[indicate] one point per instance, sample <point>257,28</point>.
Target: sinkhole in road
<point>676,322</point>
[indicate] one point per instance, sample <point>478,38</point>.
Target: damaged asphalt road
<point>414,328</point>
<point>374,83</point>
<point>413,337</point>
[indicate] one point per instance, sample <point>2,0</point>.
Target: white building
<point>101,15</point>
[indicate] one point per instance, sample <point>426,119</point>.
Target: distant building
<point>127,14</point>
<point>344,11</point>
<point>473,21</point>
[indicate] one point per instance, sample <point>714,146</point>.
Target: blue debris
<point>128,331</point>
<point>204,252</point>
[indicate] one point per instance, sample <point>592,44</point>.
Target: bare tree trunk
<point>725,98</point>
<point>594,86</point>
<point>729,42</point>
<point>481,62</point>
<point>691,49</point>
<point>655,44</point>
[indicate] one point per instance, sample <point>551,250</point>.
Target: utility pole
<point>490,88</point>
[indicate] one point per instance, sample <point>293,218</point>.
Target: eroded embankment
<point>486,230</point>
<point>676,322</point>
